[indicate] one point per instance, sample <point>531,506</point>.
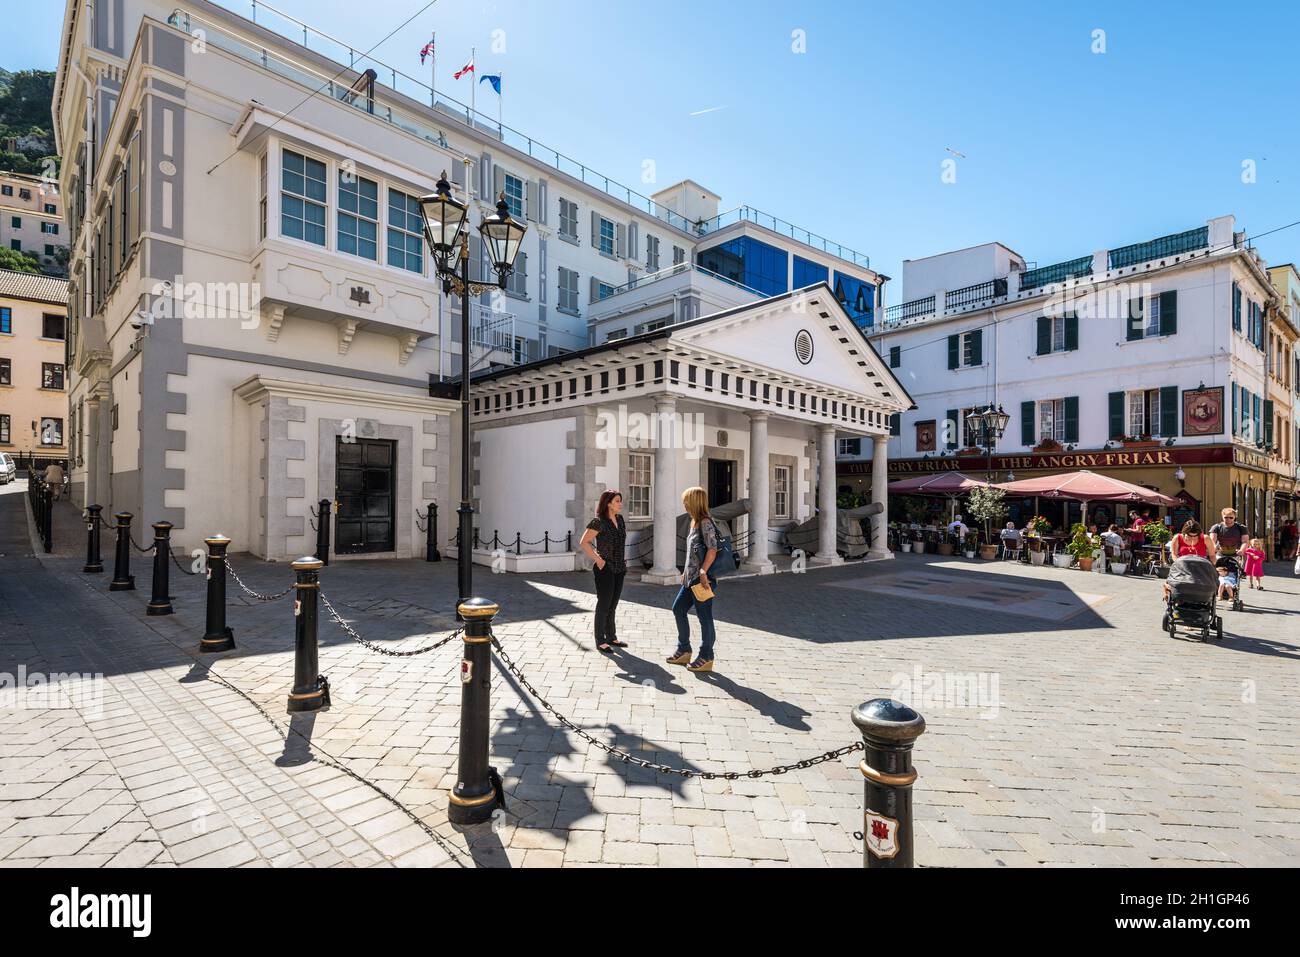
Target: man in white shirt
<point>958,528</point>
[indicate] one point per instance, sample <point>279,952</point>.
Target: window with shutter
<point>1168,313</point>
<point>951,429</point>
<point>954,351</point>
<point>1071,408</point>
<point>1169,411</point>
<point>1044,335</point>
<point>1115,429</point>
<point>1236,307</point>
<point>895,357</point>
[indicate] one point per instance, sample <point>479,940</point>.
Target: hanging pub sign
<point>1203,411</point>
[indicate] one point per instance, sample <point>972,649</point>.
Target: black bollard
<point>160,602</point>
<point>217,637</point>
<point>123,580</point>
<point>93,562</point>
<point>311,691</point>
<point>431,553</point>
<point>323,530</point>
<point>47,521</point>
<point>477,792</point>
<point>889,730</point>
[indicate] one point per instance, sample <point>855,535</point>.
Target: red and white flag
<point>467,68</point>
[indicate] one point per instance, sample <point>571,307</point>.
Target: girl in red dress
<point>1254,570</point>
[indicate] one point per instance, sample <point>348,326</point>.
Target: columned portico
<point>827,514</point>
<point>756,559</point>
<point>880,493</point>
<point>665,496</point>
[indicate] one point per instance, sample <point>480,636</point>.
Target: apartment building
<point>31,220</point>
<point>1166,362</point>
<point>33,367</point>
<point>256,318</point>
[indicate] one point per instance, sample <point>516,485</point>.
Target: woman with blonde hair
<point>697,587</point>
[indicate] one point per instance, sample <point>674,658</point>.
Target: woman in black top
<point>609,535</point>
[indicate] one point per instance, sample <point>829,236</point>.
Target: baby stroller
<point>1193,586</point>
<point>1228,564</point>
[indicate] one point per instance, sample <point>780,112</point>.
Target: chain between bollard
<point>352,633</point>
<point>256,596</point>
<point>628,758</point>
<point>177,562</point>
<point>136,546</point>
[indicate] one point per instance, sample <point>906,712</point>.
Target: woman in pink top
<point>1254,570</point>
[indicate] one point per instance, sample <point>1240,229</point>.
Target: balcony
<point>747,214</point>
<point>1059,272</point>
<point>678,293</point>
<point>1173,245</point>
<point>980,294</point>
<point>909,311</point>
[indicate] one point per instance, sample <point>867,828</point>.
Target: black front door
<point>365,482</point>
<point>722,484</point>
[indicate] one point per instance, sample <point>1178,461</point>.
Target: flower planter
<point>918,547</point>
<point>1149,444</point>
<point>988,552</point>
<point>945,548</point>
<point>907,546</point>
<point>970,553</point>
<point>1119,568</point>
<point>1085,564</point>
<point>1063,561</point>
<point>1037,558</point>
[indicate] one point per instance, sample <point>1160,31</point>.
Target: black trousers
<point>609,587</point>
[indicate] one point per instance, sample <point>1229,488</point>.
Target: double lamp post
<point>478,792</point>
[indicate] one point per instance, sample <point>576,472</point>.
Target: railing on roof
<point>339,89</point>
<point>1058,272</point>
<point>973,295</point>
<point>906,311</point>
<point>747,214</point>
<point>1172,245</point>
<point>642,281</point>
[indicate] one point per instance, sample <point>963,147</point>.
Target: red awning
<point>1084,486</point>
<point>944,485</point>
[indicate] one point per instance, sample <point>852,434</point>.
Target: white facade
<point>302,305</point>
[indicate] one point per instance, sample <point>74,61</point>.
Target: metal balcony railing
<point>974,295</point>
<point>747,214</point>
<point>680,269</point>
<point>905,311</point>
<point>1058,272</point>
<point>1172,245</point>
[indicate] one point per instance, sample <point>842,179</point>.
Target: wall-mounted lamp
<point>1181,476</point>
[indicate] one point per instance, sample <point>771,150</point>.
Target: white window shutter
<point>594,291</point>
<point>595,229</point>
<point>530,201</point>
<point>498,182</point>
<point>620,240</point>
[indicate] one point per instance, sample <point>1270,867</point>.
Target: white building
<point>31,219</point>
<point>1150,361</point>
<point>291,358</point>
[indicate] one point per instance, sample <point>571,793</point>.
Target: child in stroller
<point>1229,580</point>
<point>1191,589</point>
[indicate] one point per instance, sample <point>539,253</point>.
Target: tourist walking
<point>608,534</point>
<point>1254,570</point>
<point>697,587</point>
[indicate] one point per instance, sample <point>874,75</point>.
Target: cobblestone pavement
<point>1064,728</point>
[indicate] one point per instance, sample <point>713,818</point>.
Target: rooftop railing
<point>1172,245</point>
<point>907,311</point>
<point>1058,272</point>
<point>747,214</point>
<point>974,295</point>
<point>681,268</point>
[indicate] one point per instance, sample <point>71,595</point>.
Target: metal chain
<point>627,758</point>
<point>257,596</point>
<point>452,851</point>
<point>178,564</point>
<point>135,545</point>
<point>352,633</point>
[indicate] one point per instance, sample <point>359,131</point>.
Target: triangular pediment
<point>807,334</point>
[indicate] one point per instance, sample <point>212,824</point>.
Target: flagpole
<point>473,88</point>
<point>433,69</point>
<point>501,82</point>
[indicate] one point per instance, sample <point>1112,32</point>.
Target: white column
<point>756,560</point>
<point>880,493</point>
<point>827,512</point>
<point>665,496</point>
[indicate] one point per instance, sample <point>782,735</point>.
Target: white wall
<point>523,484</point>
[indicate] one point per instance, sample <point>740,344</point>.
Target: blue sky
<point>1066,150</point>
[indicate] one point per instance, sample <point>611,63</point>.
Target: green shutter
<point>1169,313</point>
<point>951,429</point>
<point>1072,332</point>
<point>954,351</point>
<point>976,347</point>
<point>1044,335</point>
<point>1135,319</point>
<point>1072,418</point>
<point>1235,418</point>
<point>895,356</point>
<point>1268,422</point>
<point>1236,307</point>
<point>1117,415</point>
<point>896,424</point>
<point>1027,425</point>
<point>1168,404</point>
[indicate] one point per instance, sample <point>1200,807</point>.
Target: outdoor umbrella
<point>949,485</point>
<point>1084,486</point>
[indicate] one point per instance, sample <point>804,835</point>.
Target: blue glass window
<point>514,196</point>
<point>858,299</point>
<point>6,321</point>
<point>405,243</point>
<point>607,237</point>
<point>358,216</point>
<point>807,273</point>
<point>749,262</point>
<point>302,199</point>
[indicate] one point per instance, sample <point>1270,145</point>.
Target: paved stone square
<point>1064,728</point>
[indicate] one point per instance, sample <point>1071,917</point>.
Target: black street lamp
<point>448,237</point>
<point>989,424</point>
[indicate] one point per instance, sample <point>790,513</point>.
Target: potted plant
<point>1081,547</point>
<point>918,541</point>
<point>946,542</point>
<point>971,543</point>
<point>1157,533</point>
<point>987,505</point>
<point>1037,528</point>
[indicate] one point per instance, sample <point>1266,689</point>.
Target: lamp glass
<point>504,236</point>
<point>444,224</point>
